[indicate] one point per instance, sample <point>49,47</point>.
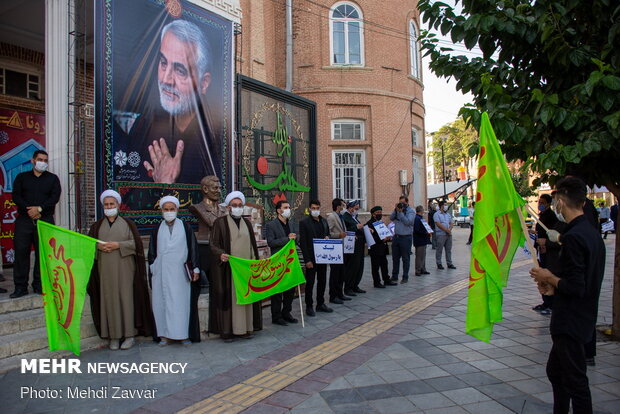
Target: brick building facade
<point>368,89</point>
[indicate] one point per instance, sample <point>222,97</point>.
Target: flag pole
<point>301,309</point>
<point>528,241</point>
<point>531,210</point>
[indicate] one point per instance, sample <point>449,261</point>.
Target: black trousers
<point>354,267</point>
<point>336,281</point>
<point>379,262</point>
<point>566,370</point>
<point>318,272</point>
<point>23,241</point>
<point>282,304</point>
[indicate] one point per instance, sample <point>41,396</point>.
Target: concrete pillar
<point>57,81</point>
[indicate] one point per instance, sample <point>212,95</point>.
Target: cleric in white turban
<point>174,273</point>
<point>232,235</point>
<point>117,287</point>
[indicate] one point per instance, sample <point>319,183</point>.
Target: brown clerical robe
<point>119,296</point>
<point>221,313</point>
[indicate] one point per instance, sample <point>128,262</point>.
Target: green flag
<point>497,235</point>
<point>66,260</point>
<point>258,279</point>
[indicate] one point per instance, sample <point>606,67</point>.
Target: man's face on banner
<point>176,75</point>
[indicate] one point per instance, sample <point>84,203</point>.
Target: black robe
<point>220,313</point>
<point>143,314</point>
<point>193,261</point>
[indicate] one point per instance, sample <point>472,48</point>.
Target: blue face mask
<point>541,208</point>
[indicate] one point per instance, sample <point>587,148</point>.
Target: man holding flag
<point>232,235</point>
<point>576,289</point>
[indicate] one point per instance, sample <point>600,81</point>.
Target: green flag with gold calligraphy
<point>258,279</point>
<point>497,235</point>
<point>66,259</point>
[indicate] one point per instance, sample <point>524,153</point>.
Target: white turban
<point>169,199</point>
<point>231,196</point>
<point>110,193</point>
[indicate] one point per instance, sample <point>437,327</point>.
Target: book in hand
<point>189,271</point>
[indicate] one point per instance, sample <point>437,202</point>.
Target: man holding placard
<point>337,230</point>
<point>354,262</point>
<point>421,237</point>
<point>314,227</point>
<point>379,250</point>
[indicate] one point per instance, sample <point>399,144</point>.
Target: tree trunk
<point>615,326</point>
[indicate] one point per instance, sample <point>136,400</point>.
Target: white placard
<point>427,227</point>
<point>349,243</point>
<point>607,226</point>
<point>370,241</point>
<point>382,230</point>
<point>328,251</point>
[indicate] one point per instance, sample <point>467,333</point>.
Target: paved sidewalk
<point>396,350</point>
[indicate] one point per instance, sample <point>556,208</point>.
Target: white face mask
<point>110,212</point>
<point>40,166</point>
<point>445,208</point>
<point>558,213</point>
<point>315,213</point>
<point>170,216</point>
<point>236,211</point>
<point>436,208</point>
<point>286,213</point>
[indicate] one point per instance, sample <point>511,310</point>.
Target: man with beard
<point>177,136</point>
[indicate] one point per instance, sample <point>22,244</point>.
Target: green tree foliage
<point>457,140</point>
<point>549,79</point>
<point>522,185</point>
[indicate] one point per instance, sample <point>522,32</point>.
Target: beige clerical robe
<point>116,270</point>
<point>240,246</point>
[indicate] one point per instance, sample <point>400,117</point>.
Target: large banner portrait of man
<point>164,101</point>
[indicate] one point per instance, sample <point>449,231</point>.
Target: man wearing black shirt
<point>548,218</point>
<point>278,233</point>
<point>314,227</point>
<point>35,193</point>
<point>576,289</point>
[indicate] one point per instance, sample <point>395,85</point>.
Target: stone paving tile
<point>459,368</point>
<point>429,372</point>
<point>478,378</point>
<point>430,400</point>
<point>364,380</point>
<point>398,376</point>
<point>446,383</point>
<point>395,405</point>
<point>530,386</point>
<point>378,392</point>
<point>413,387</point>
<point>487,407</point>
<point>497,391</point>
<point>465,395</point>
<point>446,410</point>
<point>315,401</point>
<point>262,408</point>
<point>358,408</point>
<point>508,374</point>
<point>286,399</point>
<point>337,397</point>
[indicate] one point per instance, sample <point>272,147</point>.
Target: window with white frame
<point>350,175</point>
<point>415,133</point>
<point>347,40</point>
<point>414,50</point>
<point>18,83</point>
<point>348,129</point>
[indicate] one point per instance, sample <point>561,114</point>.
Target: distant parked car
<point>462,221</point>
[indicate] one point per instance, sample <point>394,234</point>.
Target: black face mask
<point>378,217</point>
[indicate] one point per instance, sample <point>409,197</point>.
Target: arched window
<point>347,40</point>
<point>414,50</point>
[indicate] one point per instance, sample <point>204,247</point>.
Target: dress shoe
<point>114,344</point>
<point>38,290</point>
<point>345,298</point>
<point>18,294</point>
<point>280,322</point>
<point>394,279</point>
<point>451,267</point>
<point>337,301</point>
<point>310,311</point>
<point>289,319</point>
<point>440,267</point>
<point>349,293</point>
<point>358,290</point>
<point>248,335</point>
<point>426,273</point>
<point>404,281</point>
<point>324,308</point>
<point>128,343</point>
<point>380,286</point>
<point>391,283</point>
